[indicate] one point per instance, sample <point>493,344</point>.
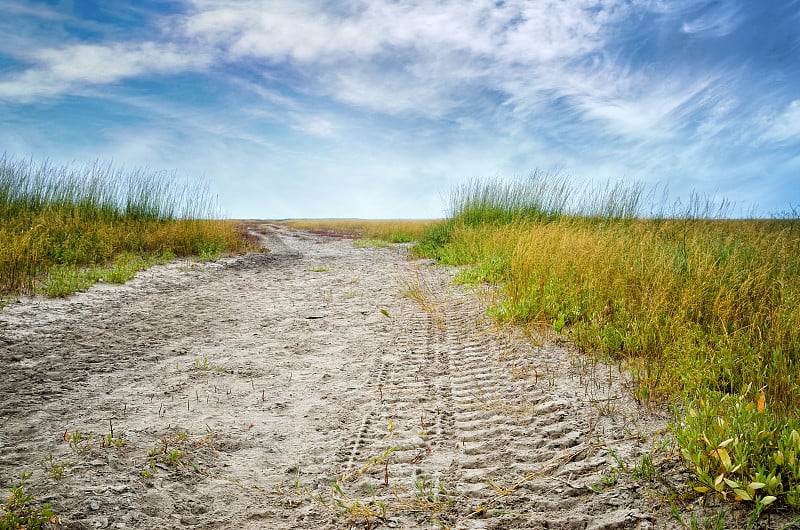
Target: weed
<point>644,469</point>
<point>77,441</point>
<point>319,269</point>
<point>56,469</point>
<point>172,453</point>
<point>20,511</point>
<point>740,451</point>
<point>111,441</point>
<point>201,364</point>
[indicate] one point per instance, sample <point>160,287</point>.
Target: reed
<point>83,217</point>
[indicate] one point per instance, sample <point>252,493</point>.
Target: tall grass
<point>698,306</point>
<point>55,216</point>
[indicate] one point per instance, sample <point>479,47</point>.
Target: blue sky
<point>379,108</point>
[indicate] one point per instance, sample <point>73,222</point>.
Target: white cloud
<point>58,70</point>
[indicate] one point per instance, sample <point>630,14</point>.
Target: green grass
<point>696,305</point>
<point>64,228</point>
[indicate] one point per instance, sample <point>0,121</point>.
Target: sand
<point>303,388</point>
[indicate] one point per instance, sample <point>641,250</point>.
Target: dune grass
<point>704,311</point>
<point>390,230</point>
<point>62,228</point>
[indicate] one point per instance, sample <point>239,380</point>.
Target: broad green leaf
<point>732,483</point>
<point>702,489</point>
<point>755,485</point>
<point>778,457</point>
<point>769,499</point>
<point>726,442</point>
<point>743,495</point>
<point>723,456</point>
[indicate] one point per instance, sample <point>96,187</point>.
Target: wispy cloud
<point>718,19</point>
<point>648,89</point>
<point>59,70</point>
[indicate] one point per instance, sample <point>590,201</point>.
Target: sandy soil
<point>300,388</point>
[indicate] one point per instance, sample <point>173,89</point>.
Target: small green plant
<point>644,469</point>
<point>77,441</point>
<point>740,451</point>
<point>151,470</point>
<point>558,324</point>
<point>20,511</point>
<point>174,458</point>
<point>610,476</point>
<point>201,364</point>
<point>319,269</point>
<point>111,441</point>
<point>171,453</point>
<point>56,469</point>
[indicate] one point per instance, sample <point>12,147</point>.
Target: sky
<point>379,109</point>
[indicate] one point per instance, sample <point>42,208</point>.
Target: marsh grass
<point>61,226</point>
<point>696,305</point>
<point>389,230</point>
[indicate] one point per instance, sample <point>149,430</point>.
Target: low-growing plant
<point>56,469</point>
<point>644,469</point>
<point>111,441</point>
<point>171,453</point>
<point>739,450</point>
<point>77,441</point>
<point>20,510</point>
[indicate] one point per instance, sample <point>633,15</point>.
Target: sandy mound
<point>300,388</point>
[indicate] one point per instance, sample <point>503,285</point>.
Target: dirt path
<point>238,392</point>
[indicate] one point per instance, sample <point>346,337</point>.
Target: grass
<point>64,228</point>
<point>388,230</point>
<point>703,310</point>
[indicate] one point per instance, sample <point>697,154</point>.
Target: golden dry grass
<point>392,230</point>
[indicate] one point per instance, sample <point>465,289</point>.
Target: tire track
<point>529,439</point>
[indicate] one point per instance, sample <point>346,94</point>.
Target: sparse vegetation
<point>54,468</point>
<point>65,228</point>
<point>697,306</point>
<point>388,230</point>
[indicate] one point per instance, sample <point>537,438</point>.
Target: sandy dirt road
<point>301,388</point>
